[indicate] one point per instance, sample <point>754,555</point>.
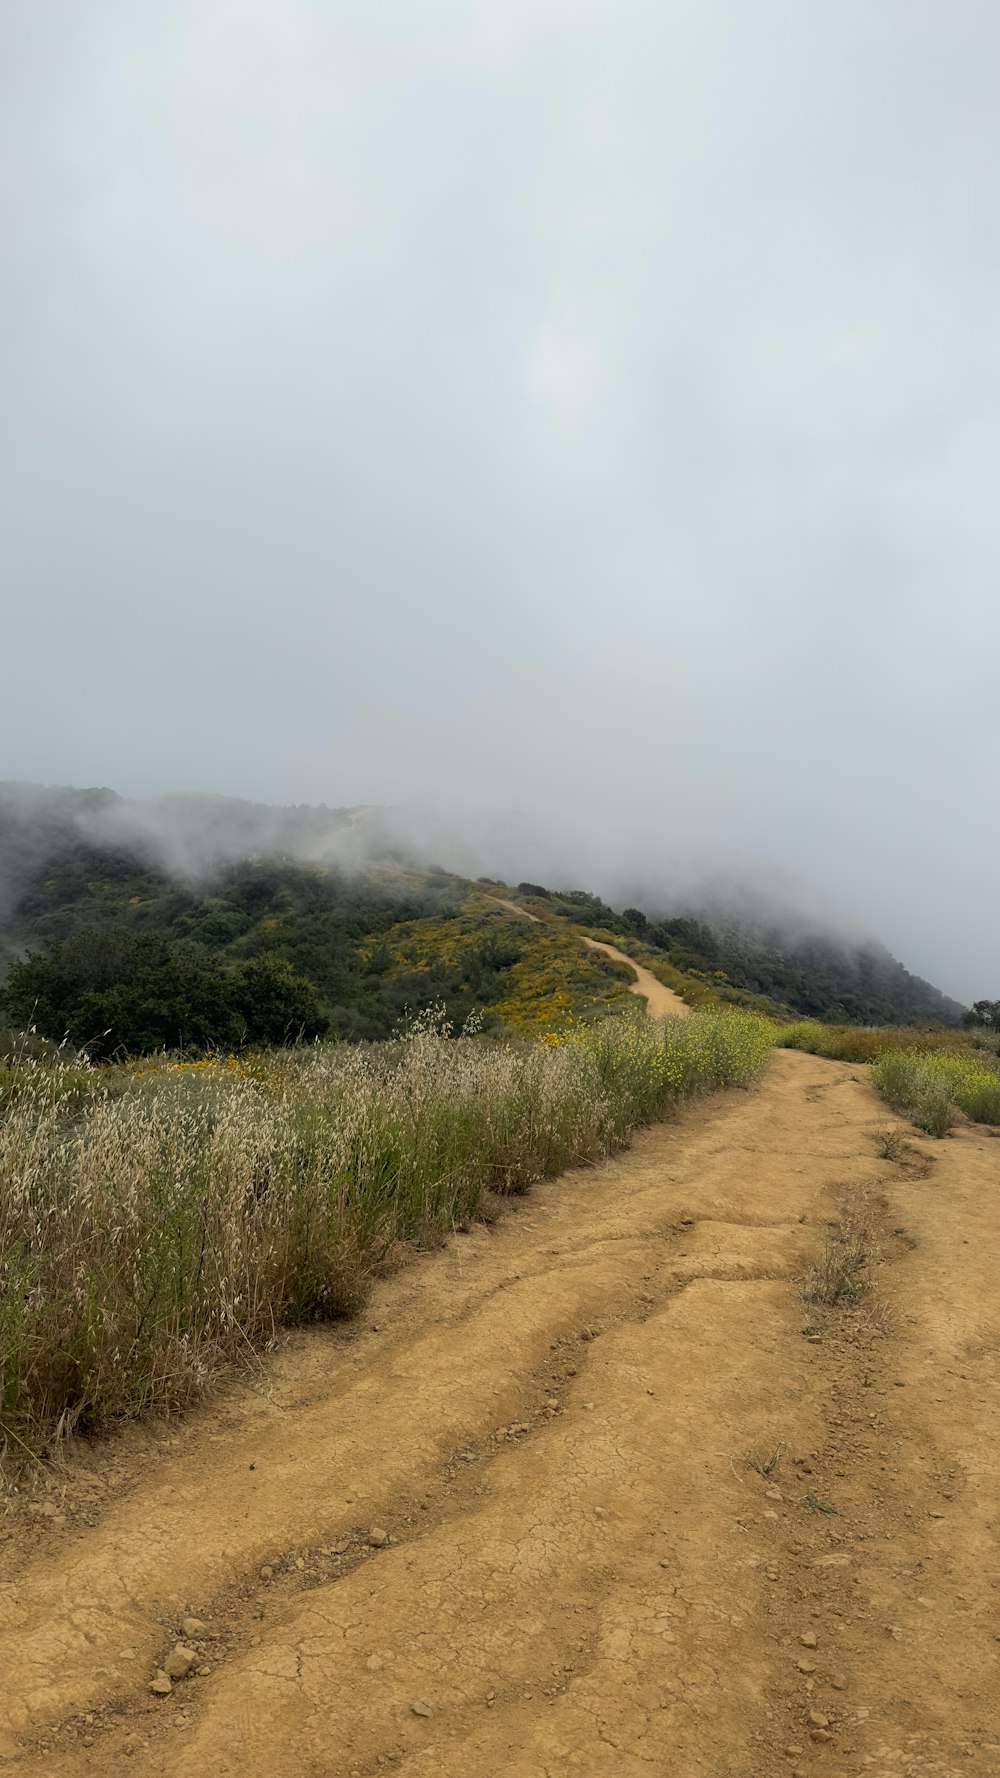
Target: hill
<point>195,922</point>
<point>803,970</point>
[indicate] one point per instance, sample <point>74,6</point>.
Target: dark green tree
<point>111,990</point>
<point>275,1003</point>
<point>983,1012</point>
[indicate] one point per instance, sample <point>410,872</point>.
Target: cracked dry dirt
<point>550,1419</point>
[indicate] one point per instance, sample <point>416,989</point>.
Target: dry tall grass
<point>155,1225</point>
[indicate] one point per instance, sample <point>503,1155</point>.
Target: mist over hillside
<point>368,913</point>
<point>192,836</point>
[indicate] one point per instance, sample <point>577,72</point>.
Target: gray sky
<point>558,404</point>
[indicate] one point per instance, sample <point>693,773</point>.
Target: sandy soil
<point>548,1423</point>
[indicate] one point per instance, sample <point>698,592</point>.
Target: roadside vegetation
<point>865,1043</point>
<point>932,1089</point>
<point>161,1220</point>
<point>929,1076</point>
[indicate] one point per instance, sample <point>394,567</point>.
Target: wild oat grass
<point>157,1222</point>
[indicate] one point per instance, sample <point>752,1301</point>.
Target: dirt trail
<point>549,1420</point>
<point>661,1002</point>
<point>514,907</point>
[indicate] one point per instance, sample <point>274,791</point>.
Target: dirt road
<point>506,1524</point>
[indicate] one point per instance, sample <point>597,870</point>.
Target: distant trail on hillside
<point>512,908</point>
<point>661,1002</point>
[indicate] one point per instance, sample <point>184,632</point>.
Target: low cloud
<point>372,368</point>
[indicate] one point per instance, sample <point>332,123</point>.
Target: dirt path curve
<point>661,1002</point>
<point>547,1422</point>
<point>513,907</point>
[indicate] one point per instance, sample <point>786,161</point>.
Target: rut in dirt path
<point>549,1422</point>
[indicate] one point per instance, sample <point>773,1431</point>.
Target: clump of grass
<point>891,1145</point>
<point>765,1462</point>
<point>156,1223</point>
<point>932,1090</point>
<point>843,1276</point>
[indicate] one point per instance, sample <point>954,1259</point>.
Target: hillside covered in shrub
<point>121,944</point>
<point>809,974</point>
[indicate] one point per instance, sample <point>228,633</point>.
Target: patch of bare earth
<point>508,1524</point>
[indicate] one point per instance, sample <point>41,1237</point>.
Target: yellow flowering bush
<point>927,1088</point>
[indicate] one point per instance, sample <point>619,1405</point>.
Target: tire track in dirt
<point>582,1572</point>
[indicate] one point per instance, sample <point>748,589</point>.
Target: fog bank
<point>575,423</point>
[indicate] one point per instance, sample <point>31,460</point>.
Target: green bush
<point>928,1088</point>
<point>113,991</point>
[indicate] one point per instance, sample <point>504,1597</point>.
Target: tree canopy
<point>111,991</point>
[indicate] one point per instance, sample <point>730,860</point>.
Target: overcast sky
<point>547,403</point>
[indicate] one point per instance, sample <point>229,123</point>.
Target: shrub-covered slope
<point>132,932</point>
<point>806,973</point>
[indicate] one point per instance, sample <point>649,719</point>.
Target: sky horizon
<point>586,409</point>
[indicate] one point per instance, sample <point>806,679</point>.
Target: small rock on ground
<point>179,1662</point>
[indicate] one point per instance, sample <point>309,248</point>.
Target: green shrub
<point>972,1082</point>
<point>113,991</point>
<point>933,1111</point>
<point>929,1088</point>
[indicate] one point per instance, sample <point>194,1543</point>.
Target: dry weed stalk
<point>845,1275</point>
